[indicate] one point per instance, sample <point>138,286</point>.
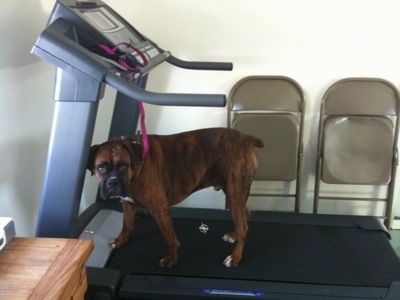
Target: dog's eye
<point>123,168</point>
<point>101,169</point>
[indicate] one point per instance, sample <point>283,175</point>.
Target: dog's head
<point>113,163</point>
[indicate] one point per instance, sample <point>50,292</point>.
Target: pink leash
<point>124,62</point>
<point>145,138</point>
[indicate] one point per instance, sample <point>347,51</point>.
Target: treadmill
<point>287,255</point>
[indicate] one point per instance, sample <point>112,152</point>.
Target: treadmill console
<point>88,39</point>
<point>99,24</point>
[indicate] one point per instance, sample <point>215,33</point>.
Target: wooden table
<point>44,268</point>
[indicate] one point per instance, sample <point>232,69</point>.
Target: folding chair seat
<point>357,143</point>
<point>272,109</point>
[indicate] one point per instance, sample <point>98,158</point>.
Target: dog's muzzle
<point>113,182</point>
<point>113,187</point>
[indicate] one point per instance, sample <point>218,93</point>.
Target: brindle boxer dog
<point>177,166</point>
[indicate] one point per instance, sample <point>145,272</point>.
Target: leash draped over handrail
<point>131,62</point>
<point>145,139</point>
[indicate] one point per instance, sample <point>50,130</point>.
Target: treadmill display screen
<point>106,22</point>
<point>101,20</point>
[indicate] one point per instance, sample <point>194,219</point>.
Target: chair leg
<point>298,179</point>
<point>317,184</point>
<point>390,194</point>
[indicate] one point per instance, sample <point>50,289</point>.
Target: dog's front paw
<point>168,262</point>
<point>113,244</point>
<point>231,262</point>
<point>117,243</point>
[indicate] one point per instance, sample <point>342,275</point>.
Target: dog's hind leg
<point>164,222</point>
<point>231,236</point>
<point>237,190</point>
<point>238,237</point>
<point>240,215</point>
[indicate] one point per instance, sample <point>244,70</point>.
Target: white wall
<point>314,42</point>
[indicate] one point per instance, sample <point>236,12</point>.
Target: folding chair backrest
<point>358,135</point>
<point>271,108</point>
<point>266,93</point>
<point>361,96</point>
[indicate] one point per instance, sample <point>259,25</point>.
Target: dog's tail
<point>256,142</point>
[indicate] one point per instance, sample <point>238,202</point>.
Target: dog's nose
<point>113,182</point>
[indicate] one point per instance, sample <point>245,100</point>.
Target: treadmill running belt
<point>279,252</point>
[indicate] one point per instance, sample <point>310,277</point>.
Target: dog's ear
<point>135,149</point>
<point>92,155</point>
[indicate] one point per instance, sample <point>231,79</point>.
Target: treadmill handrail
<point>168,99</point>
<point>200,65</point>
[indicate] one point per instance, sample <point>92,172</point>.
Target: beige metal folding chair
<point>272,109</point>
<point>357,143</point>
